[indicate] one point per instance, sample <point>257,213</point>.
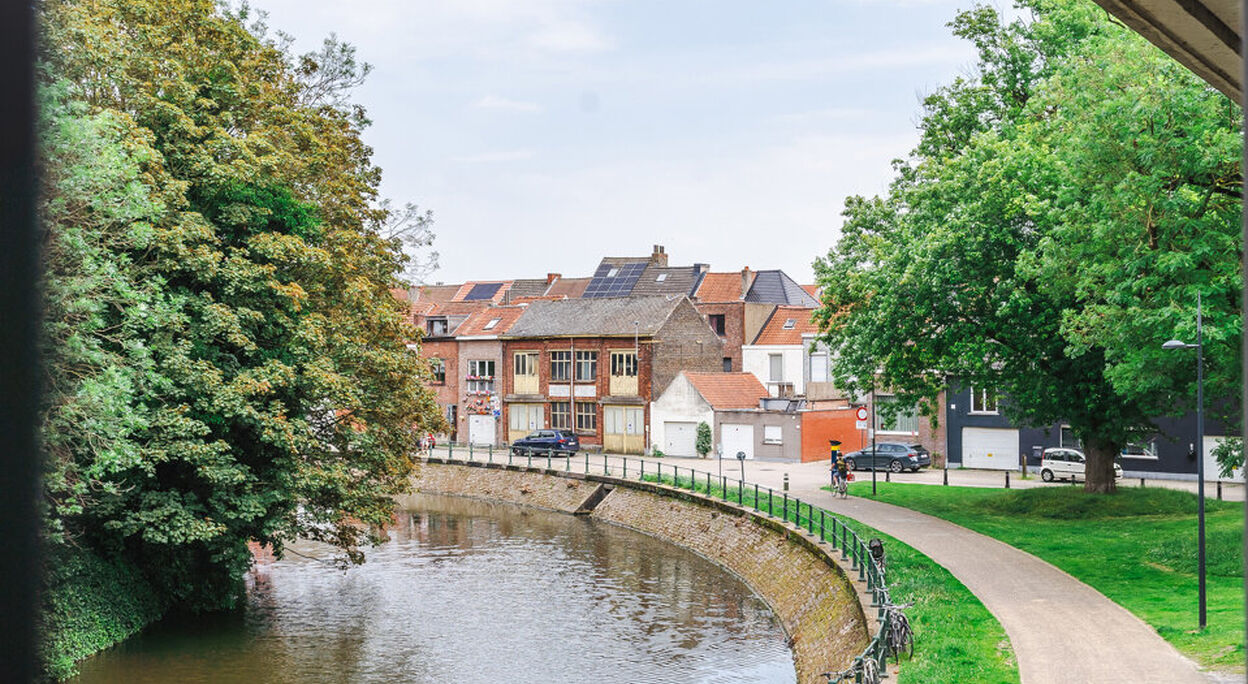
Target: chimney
<point>747,279</point>
<point>552,277</point>
<point>658,257</point>
<point>699,269</point>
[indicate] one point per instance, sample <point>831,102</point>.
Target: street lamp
<point>1200,451</point>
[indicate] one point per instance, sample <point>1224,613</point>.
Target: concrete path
<point>1061,629</point>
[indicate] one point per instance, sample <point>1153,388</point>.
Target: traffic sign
<point>862,415</point>
<point>860,425</point>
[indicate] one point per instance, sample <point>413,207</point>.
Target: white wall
<point>680,402</point>
<point>755,359</point>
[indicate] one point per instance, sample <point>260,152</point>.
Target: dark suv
<point>562,442</point>
<point>892,455</point>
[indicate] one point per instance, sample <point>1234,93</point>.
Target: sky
<point>546,134</point>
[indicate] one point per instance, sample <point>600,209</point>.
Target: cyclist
<point>840,469</point>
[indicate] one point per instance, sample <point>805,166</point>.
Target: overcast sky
<point>545,134</point>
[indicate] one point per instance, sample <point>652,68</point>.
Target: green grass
<point>956,638</point>
<point>1137,547</point>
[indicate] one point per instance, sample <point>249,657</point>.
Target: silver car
<point>1063,463</point>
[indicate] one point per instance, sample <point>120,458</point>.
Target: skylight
<point>613,273</point>
<point>493,322</point>
<point>661,277</point>
<point>789,323</point>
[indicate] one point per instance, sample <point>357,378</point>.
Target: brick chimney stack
<point>659,256</point>
<point>747,279</point>
<point>552,277</point>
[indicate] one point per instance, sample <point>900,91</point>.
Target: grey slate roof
<point>776,287</point>
<point>677,280</point>
<point>595,317</point>
<point>528,287</point>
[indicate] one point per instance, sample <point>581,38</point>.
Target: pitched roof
<point>598,317</point>
<point>571,288</point>
<point>478,323</point>
<point>615,277</point>
<point>787,325</point>
<point>527,287</point>
<point>776,287</point>
<point>666,280</point>
<point>719,287</point>
<point>812,290</point>
<point>437,293</point>
<point>728,390</point>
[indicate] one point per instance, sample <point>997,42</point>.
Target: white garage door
<point>679,438</point>
<point>1213,470</point>
<point>995,448</point>
<point>737,438</point>
<point>481,430</point>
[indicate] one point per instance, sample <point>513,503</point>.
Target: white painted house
<point>777,355</point>
<point>694,398</point>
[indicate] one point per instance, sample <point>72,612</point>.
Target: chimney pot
<point>659,256</point>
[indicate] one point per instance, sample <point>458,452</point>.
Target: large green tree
<point>226,362</point>
<point>1065,204</point>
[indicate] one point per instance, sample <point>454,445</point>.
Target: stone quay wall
<point>806,585</point>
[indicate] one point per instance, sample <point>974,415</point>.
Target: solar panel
<point>621,284</point>
<point>482,291</point>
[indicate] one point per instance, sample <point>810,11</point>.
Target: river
<point>471,591</point>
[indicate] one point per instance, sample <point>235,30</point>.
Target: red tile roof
<point>775,331</point>
<point>813,290</point>
<point>719,287</point>
<point>475,324</point>
<point>728,390</point>
<point>572,288</point>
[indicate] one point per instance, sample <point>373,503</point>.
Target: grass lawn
<point>956,638</point>
<point>1137,547</point>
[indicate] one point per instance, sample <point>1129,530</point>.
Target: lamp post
<point>1200,452</point>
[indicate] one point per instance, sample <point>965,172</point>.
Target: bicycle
<point>842,487</point>
<point>867,667</point>
<point>900,635</point>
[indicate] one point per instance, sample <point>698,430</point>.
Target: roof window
<point>660,278</point>
<point>493,322</point>
<point>613,273</point>
<point>789,323</point>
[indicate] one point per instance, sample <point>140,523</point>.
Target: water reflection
<point>468,591</point>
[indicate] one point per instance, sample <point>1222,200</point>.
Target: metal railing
<point>825,526</point>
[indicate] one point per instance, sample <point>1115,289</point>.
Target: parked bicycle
<point>900,637</point>
<point>867,667</point>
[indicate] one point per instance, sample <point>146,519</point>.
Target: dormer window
<point>789,323</point>
<point>490,326</point>
<point>437,326</point>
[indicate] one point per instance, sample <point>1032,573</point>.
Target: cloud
<point>867,62</point>
<point>494,157</point>
<point>506,104</point>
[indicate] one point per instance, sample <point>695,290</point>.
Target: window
<point>490,326</point>
<point>437,326</point>
<point>772,434</point>
<point>776,363</point>
<point>613,273</point>
<point>819,371</point>
<point>560,366</point>
<point>560,419</point>
<point>717,323</point>
<point>526,363</point>
<point>451,411</point>
<point>983,400</point>
<point>660,278</point>
<point>1069,440</point>
<point>481,377</point>
<point>586,366</point>
<point>1140,450</point>
<point>727,364</point>
<point>437,367</point>
<point>586,416</point>
<point>903,420</point>
<point>624,363</point>
<point>790,323</point>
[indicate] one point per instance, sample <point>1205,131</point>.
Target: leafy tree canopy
<point>225,360</point>
<point>1066,203</point>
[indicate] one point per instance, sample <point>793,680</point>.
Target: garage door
<point>995,448</point>
<point>481,430</point>
<point>737,438</point>
<point>679,438</point>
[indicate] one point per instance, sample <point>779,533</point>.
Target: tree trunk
<point>1099,474</point>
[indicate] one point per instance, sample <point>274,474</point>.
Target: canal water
<point>470,591</point>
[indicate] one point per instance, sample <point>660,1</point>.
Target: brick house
<point>778,355</point>
<point>738,304</point>
<point>480,358</point>
<point>593,365</point>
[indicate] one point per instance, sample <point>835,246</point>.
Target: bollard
<point>786,482</point>
<point>529,454</point>
<point>450,450</point>
<point>1219,490</point>
<point>1007,479</point>
<point>604,464</point>
<point>946,477</point>
<point>1141,483</point>
<point>888,476</point>
<point>491,455</point>
<point>550,454</point>
<point>469,451</point>
<point>625,475</point>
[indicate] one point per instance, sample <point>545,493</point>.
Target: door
<point>737,438</point>
<point>623,430</point>
<point>679,438</point>
<point>523,420</point>
<point>1213,471</point>
<point>993,448</point>
<point>481,430</point>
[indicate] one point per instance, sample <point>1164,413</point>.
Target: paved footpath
<point>1061,629</point>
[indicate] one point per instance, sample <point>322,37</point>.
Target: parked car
<point>895,456</point>
<point>1062,463</point>
<point>561,442</point>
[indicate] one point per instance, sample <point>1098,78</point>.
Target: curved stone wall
<point>821,610</point>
